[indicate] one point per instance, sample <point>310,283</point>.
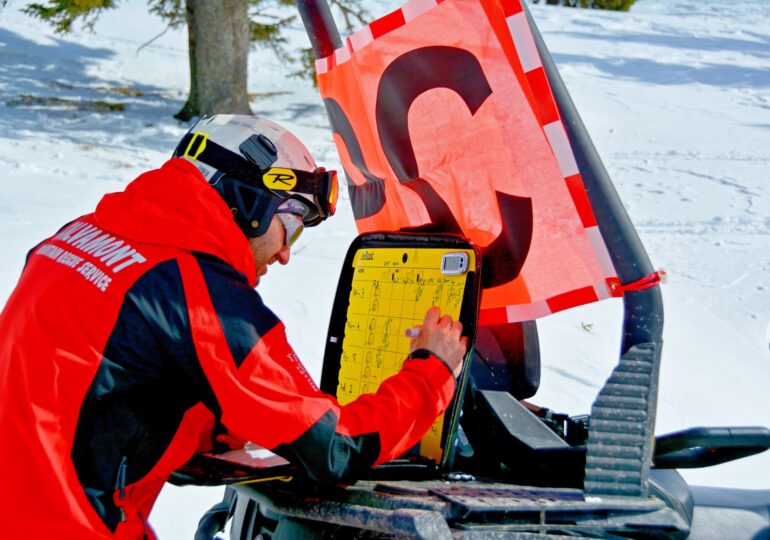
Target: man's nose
<point>283,255</point>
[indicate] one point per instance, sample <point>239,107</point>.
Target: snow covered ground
<point>676,95</point>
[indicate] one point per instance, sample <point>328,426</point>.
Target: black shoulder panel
<point>150,375</point>
<point>148,378</point>
<point>242,314</point>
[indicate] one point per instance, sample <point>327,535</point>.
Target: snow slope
<point>674,93</point>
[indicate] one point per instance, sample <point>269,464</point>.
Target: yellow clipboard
<point>388,283</point>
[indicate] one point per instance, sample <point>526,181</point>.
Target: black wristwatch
<point>420,354</point>
<point>423,354</point>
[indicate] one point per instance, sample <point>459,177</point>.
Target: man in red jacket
<point>132,328</point>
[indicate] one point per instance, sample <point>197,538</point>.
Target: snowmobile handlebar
<point>706,446</point>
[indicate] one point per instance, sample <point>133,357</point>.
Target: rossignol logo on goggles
<point>280,179</point>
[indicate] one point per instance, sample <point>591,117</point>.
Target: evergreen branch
<point>143,45</point>
<point>62,14</point>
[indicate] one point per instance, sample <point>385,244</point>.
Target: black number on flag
<point>406,78</point>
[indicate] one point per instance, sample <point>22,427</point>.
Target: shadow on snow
<point>50,85</point>
<point>651,71</point>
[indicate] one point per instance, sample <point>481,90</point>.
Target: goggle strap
<point>198,147</point>
<point>320,185</point>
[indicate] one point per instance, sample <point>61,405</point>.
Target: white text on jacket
<point>113,253</point>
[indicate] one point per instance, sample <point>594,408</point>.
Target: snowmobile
<point>505,467</point>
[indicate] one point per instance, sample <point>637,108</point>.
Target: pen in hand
<point>442,337</point>
<point>412,332</point>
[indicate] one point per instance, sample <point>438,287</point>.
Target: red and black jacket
<point>129,331</point>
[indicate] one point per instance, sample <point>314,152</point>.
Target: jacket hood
<point>175,206</point>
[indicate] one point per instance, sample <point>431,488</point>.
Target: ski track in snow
<point>674,94</point>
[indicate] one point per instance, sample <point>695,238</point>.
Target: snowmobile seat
<point>507,359</point>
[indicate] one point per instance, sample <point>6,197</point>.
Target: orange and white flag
<point>443,118</point>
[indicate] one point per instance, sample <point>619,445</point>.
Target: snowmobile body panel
<point>456,509</point>
<point>730,513</point>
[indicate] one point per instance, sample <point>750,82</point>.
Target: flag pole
<point>320,26</point>
<point>643,321</point>
<point>628,400</point>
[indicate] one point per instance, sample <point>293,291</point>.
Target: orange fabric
<point>177,212</point>
<point>438,122</point>
<point>47,362</point>
<point>54,328</point>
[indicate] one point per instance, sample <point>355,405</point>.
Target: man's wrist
<point>424,354</point>
<point>420,354</point>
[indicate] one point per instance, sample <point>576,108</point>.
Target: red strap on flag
<point>647,282</point>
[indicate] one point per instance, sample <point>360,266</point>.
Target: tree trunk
<point>218,38</point>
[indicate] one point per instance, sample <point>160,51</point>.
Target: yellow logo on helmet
<point>193,151</point>
<point>280,179</point>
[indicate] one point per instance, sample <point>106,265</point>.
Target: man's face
<point>270,247</point>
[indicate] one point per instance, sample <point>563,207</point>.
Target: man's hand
<point>441,336</point>
<point>215,438</point>
<point>230,441</point>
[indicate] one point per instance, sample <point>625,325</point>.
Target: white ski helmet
<point>256,165</point>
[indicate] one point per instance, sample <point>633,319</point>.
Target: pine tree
<point>219,36</point>
<point>617,5</point>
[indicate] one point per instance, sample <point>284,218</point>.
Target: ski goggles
<point>316,191</point>
<point>292,222</point>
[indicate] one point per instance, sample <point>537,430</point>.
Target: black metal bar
<point>609,469</point>
<point>643,310</point>
<point>320,26</point>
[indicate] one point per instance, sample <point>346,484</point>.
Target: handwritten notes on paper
<point>391,291</point>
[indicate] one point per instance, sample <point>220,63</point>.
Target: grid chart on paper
<point>391,290</point>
